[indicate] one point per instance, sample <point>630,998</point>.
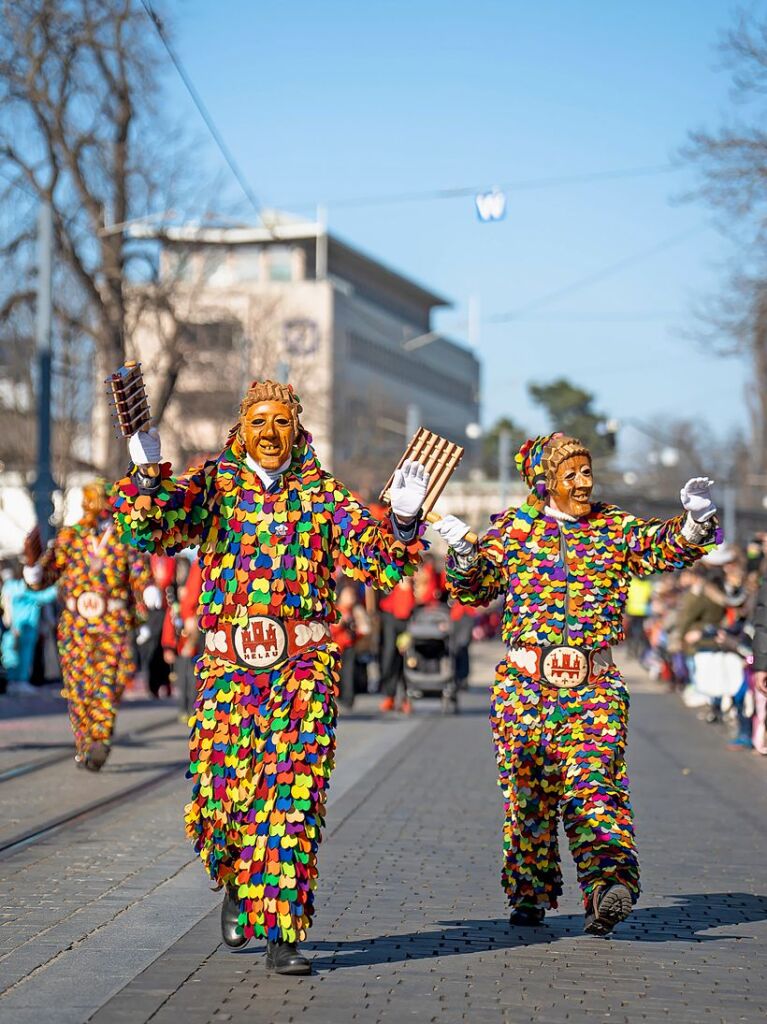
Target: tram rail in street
<point>9,774</point>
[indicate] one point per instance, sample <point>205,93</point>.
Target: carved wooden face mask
<point>94,501</point>
<point>570,490</point>
<point>268,430</point>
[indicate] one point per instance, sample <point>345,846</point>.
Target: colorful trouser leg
<point>95,668</point>
<point>562,751</point>
<point>261,751</point>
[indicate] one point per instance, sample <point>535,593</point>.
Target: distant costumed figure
<point>101,585</point>
<point>562,566</point>
<point>272,528</point>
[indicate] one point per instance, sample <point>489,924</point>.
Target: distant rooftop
<point>279,227</point>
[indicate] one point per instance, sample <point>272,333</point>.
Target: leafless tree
<point>732,160</point>
<point>81,128</point>
<point>732,163</point>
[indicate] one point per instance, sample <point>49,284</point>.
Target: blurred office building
<point>292,300</point>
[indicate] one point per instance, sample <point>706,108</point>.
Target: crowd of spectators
<point>370,632</point>
<point>703,632</point>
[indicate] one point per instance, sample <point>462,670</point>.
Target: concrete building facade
<point>354,337</point>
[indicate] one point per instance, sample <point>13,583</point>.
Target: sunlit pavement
<point>109,918</point>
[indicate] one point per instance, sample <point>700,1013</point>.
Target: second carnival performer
<point>562,566</point>
<point>272,528</point>
<point>102,588</point>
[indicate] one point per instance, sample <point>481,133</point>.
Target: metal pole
<point>413,421</point>
<point>321,250</point>
<point>729,515</point>
<point>44,484</point>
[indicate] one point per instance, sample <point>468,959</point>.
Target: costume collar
<point>556,513</point>
<point>304,466</point>
<point>268,477</point>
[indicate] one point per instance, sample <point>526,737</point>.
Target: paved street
<point>108,918</point>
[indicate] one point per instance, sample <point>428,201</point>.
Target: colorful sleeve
<point>54,559</point>
<point>658,546</point>
<point>481,580</point>
<point>176,515</point>
<point>366,548</point>
<point>140,578</point>
<point>41,597</point>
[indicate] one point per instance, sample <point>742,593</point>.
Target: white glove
<point>697,500</point>
<point>33,575</point>
<point>152,597</point>
<point>144,447</point>
<point>453,531</point>
<point>143,634</point>
<point>408,490</point>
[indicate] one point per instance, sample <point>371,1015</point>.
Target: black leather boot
<point>230,912</point>
<point>526,916</point>
<point>284,958</point>
<point>607,905</point>
<point>96,756</point>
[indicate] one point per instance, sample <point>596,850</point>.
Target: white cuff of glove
<point>33,575</point>
<point>694,531</point>
<point>144,447</point>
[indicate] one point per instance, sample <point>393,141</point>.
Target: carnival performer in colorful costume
<point>101,588</point>
<point>559,705</point>
<point>272,528</point>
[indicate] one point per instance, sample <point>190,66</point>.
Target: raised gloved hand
<point>697,500</point>
<point>453,531</point>
<point>144,447</point>
<point>408,490</point>
<point>152,597</point>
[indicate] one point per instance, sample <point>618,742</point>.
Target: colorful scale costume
<point>262,743</point>
<point>560,747</point>
<point>101,583</point>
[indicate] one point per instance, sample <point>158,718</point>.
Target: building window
<point>280,263</point>
<point>400,366</point>
<point>213,266</point>
<point>247,263</point>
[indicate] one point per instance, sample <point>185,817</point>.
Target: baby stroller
<point>427,655</point>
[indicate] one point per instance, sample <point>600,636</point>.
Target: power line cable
<point>594,278</point>
<point>462,191</point>
<point>203,110</point>
<point>601,318</point>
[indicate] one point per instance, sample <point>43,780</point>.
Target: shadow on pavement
<point>687,920</point>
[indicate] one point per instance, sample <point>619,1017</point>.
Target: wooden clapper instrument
<point>130,407</point>
<point>441,458</point>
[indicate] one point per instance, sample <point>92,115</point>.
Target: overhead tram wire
<point>462,191</point>
<point>596,276</point>
<point>205,114</point>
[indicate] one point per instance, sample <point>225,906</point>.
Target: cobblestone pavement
<point>411,924</point>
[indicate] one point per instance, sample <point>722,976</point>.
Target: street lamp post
<point>44,484</point>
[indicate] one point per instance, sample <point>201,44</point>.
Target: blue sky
<point>338,100</point>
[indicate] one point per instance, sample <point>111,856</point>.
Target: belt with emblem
<point>91,604</point>
<point>561,665</point>
<point>264,641</point>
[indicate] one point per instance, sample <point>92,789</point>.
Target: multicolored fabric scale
<point>101,584</point>
<point>262,743</point>
<point>562,748</point>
